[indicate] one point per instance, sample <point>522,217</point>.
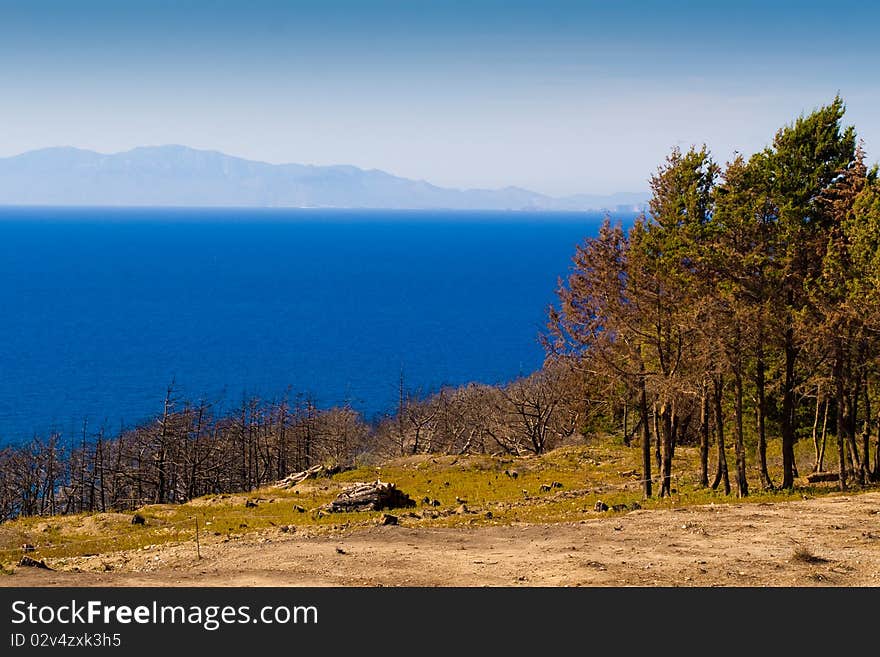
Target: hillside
<point>181,176</point>
<point>479,519</point>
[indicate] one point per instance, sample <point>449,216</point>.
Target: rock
<point>287,528</point>
<point>461,510</point>
<point>600,506</point>
<point>339,550</point>
<point>29,562</point>
<point>513,474</point>
<point>138,519</point>
<point>388,519</point>
<point>298,508</point>
<point>488,515</point>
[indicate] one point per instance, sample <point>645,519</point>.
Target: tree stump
<point>371,496</point>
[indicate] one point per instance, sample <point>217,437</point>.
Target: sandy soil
<point>829,541</point>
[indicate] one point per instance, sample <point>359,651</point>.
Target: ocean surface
<point>103,308</point>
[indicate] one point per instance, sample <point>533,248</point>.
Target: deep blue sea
<point>103,308</point>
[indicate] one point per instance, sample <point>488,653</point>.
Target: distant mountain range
<point>182,176</point>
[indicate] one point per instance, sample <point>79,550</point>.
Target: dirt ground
<point>827,541</point>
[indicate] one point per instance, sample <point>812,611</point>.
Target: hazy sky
<point>558,97</point>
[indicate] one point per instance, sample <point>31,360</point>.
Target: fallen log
<point>30,562</point>
<point>370,496</point>
<point>816,477</point>
<point>292,480</point>
<point>314,472</point>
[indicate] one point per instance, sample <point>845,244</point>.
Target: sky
<point>557,97</point>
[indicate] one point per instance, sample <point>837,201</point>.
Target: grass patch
<point>804,555</point>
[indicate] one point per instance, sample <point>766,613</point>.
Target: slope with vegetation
<point>565,485</point>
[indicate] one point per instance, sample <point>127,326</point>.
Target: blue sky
<point>559,97</point>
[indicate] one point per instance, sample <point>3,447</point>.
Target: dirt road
<point>825,541</point>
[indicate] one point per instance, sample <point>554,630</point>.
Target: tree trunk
<point>646,439</point>
<point>742,484</point>
<point>866,437</point>
<point>704,437</point>
<point>99,456</point>
<point>788,418</point>
<point>841,420</point>
<point>851,464</point>
<point>282,439</point>
<point>82,469</point>
<point>761,389</point>
<point>852,420</point>
<point>815,433</point>
<point>666,427</point>
<point>821,462</point>
<point>657,440</point>
<point>721,475</point>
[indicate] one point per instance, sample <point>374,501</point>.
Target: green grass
<point>602,470</point>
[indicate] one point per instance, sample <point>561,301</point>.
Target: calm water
<point>101,309</point>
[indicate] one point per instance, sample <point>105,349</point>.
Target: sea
<point>102,309</point>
